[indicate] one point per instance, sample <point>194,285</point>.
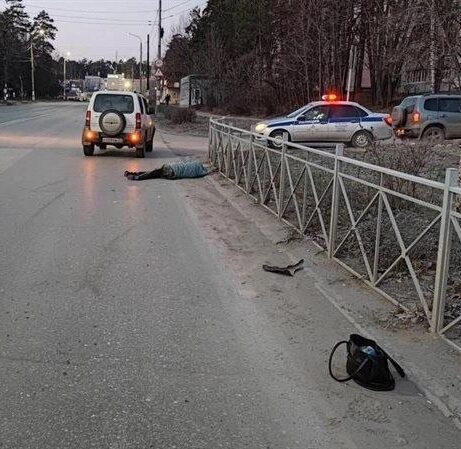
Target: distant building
<point>193,90</point>
<point>417,80</point>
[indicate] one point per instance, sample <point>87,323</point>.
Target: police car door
<point>343,123</point>
<point>309,124</point>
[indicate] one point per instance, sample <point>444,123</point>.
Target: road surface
<point>119,329</point>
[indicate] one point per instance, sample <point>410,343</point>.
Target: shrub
<point>179,115</point>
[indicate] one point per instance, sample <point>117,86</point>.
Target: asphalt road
<point>118,329</point>
<point>112,326</point>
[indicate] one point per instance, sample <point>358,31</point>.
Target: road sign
<point>158,63</point>
<point>158,73</point>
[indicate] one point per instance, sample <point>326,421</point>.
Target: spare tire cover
<point>398,116</point>
<point>112,122</point>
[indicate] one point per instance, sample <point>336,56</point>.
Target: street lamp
<point>32,35</point>
<point>64,83</point>
<point>140,59</point>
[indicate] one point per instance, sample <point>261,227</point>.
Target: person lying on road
<point>177,170</point>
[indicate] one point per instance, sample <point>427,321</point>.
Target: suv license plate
<point>112,140</point>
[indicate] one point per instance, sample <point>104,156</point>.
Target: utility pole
<point>22,88</point>
<point>64,84</point>
<point>41,32</point>
<point>160,30</point>
<point>64,81</point>
<point>351,72</point>
<point>159,49</point>
<point>148,63</point>
<point>140,59</point>
<point>32,69</point>
<point>140,66</point>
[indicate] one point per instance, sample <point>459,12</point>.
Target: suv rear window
<point>121,103</point>
<point>450,105</point>
<point>431,104</point>
<point>409,104</point>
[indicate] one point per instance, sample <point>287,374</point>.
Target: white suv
<point>119,119</point>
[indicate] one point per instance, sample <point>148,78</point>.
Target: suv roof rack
<point>441,92</point>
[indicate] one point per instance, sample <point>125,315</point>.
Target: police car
<point>328,121</point>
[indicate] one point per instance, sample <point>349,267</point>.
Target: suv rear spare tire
<point>112,122</point>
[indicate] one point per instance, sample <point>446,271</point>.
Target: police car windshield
<point>297,112</point>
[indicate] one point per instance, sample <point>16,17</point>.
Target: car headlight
<point>260,127</point>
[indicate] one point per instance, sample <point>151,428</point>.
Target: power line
<point>99,18</point>
<point>177,6</point>
<point>110,21</point>
<point>53,8</point>
<point>100,23</point>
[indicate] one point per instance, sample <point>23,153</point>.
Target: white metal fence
<point>397,232</point>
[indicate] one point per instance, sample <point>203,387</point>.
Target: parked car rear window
<point>450,105</point>
<point>122,103</point>
<point>431,104</point>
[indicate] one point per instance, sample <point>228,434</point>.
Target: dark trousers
<point>164,171</point>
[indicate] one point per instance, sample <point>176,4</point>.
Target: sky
<point>98,29</point>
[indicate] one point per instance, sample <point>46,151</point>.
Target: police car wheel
<point>362,139</point>
<point>278,136</point>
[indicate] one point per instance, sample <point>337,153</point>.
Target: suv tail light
<point>138,120</point>
<point>88,119</point>
<point>415,117</point>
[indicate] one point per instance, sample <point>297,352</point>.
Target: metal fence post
<point>248,169</point>
<point>443,255</point>
<point>335,202</point>
<point>228,156</point>
<point>282,175</point>
<point>210,141</point>
<point>378,231</point>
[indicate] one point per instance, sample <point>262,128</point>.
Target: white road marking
<point>9,156</point>
<point>25,119</point>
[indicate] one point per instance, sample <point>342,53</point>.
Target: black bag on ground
<point>367,364</point>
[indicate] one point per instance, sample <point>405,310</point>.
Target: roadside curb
<point>431,363</point>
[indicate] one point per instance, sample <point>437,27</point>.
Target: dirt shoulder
<point>306,315</point>
<point>321,305</point>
